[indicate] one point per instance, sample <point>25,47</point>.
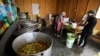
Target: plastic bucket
<point>69,43</point>
<point>70,40</point>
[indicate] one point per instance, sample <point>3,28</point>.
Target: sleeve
<point>84,17</point>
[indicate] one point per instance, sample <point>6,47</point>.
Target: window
<point>98,13</point>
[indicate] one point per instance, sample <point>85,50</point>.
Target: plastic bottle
<point>2,11</point>
<point>9,1</point>
<point>7,22</point>
<point>14,12</point>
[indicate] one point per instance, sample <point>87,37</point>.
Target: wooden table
<point>73,30</point>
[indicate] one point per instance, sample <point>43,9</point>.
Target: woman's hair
<point>91,12</point>
<point>63,13</point>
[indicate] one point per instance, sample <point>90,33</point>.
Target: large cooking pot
<point>30,37</point>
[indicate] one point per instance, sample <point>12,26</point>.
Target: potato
<point>32,48</point>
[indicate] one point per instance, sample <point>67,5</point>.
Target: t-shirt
<point>91,23</point>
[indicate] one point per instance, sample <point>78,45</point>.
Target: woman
<point>59,21</point>
<point>88,28</point>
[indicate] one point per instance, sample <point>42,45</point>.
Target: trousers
<point>84,37</point>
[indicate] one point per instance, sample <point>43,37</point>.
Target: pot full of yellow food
<point>33,44</point>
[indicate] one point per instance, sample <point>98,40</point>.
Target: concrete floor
<point>60,49</point>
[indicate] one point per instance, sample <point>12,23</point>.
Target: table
<point>76,30</point>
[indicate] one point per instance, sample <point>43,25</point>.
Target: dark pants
<point>64,32</point>
<point>84,37</point>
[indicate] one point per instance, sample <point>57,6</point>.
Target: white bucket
<point>69,43</point>
<point>74,25</point>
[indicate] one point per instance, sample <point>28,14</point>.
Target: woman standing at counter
<point>59,21</point>
<point>88,28</point>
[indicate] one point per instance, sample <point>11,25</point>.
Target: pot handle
<point>42,54</point>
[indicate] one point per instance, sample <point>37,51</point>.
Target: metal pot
<point>27,23</point>
<point>29,37</point>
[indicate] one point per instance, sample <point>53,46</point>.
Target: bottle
<point>1,25</point>
<point>8,1</point>
<point>14,12</point>
<point>7,22</point>
<point>9,12</point>
<point>38,17</point>
<point>2,11</point>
